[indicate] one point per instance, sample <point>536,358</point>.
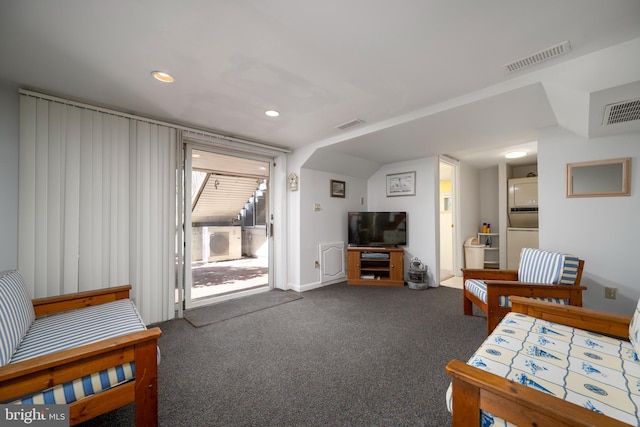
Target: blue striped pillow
<point>538,266</point>
<point>634,329</point>
<point>569,270</point>
<point>16,314</point>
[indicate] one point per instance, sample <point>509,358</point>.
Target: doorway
<point>227,240</point>
<point>448,204</point>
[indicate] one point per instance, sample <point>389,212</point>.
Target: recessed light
<point>515,154</point>
<point>272,113</point>
<point>162,76</point>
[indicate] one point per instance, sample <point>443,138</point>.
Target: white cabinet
<point>518,238</point>
<point>491,249</point>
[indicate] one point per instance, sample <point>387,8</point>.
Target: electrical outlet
<point>610,293</point>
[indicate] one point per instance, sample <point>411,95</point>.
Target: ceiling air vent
<point>350,124</point>
<point>538,57</point>
<point>622,112</point>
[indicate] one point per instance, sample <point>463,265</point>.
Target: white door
<point>447,204</point>
<point>227,248</point>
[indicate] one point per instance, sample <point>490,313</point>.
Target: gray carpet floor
<point>340,356</point>
<point>203,316</point>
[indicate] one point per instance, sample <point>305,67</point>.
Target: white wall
<point>604,231</point>
<point>468,205</point>
<point>521,171</point>
<point>327,225</point>
<point>489,206</point>
<point>422,209</point>
<point>308,228</point>
<point>9,159</point>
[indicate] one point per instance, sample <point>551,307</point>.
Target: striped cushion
<point>16,314</point>
<point>634,329</point>
<point>79,327</point>
<point>547,299</point>
<point>75,328</point>
<point>82,387</point>
<point>479,289</point>
<point>538,266</point>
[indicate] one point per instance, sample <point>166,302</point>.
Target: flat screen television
<point>377,228</point>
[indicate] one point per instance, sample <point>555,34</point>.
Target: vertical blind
<point>97,204</point>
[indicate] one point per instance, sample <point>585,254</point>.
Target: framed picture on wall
<point>401,184</point>
<point>337,188</point>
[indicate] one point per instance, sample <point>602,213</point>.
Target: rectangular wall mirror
<point>600,178</point>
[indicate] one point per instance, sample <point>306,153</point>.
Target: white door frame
<point>186,240</point>
<point>455,217</point>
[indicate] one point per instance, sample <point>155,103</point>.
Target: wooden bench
<point>474,389</point>
<point>57,368</point>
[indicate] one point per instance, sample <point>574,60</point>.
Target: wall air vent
<point>350,124</point>
<point>621,112</point>
<point>538,57</point>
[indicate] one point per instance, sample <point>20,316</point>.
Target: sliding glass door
<point>227,223</point>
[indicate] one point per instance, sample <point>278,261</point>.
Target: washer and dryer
<point>523,218</point>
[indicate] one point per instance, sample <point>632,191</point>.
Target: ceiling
<point>427,77</point>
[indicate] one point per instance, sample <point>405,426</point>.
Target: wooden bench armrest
<point>578,317</point>
<point>50,305</point>
<point>489,274</point>
<point>515,284</point>
<point>475,389</point>
<point>45,371</point>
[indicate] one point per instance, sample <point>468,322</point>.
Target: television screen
<point>377,228</point>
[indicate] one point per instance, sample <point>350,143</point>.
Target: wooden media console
<point>375,266</point>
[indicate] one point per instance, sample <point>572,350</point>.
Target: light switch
<point>316,207</point>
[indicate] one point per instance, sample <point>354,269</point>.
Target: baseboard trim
<point>313,285</point>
